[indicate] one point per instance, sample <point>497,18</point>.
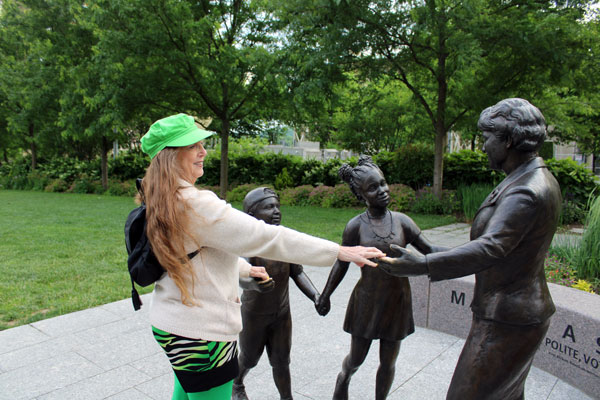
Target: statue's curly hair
<point>518,119</point>
<point>352,175</point>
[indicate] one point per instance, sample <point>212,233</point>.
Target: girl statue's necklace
<point>381,236</point>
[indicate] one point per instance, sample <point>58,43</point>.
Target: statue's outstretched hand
<point>408,263</point>
<point>322,305</point>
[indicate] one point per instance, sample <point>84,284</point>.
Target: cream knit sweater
<point>226,234</point>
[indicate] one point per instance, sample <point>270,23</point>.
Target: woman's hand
<point>359,255</point>
<point>259,272</point>
<point>259,280</point>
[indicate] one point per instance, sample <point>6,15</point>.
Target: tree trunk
<point>438,163</point>
<point>33,148</point>
<point>224,178</point>
<point>104,162</point>
<point>441,137</point>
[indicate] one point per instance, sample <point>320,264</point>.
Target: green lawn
<point>61,252</point>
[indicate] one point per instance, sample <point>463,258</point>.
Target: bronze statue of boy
<point>266,317</point>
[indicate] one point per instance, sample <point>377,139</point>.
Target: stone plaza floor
<point>108,352</point>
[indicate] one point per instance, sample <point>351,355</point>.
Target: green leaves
<point>576,182</point>
<point>366,74</point>
<point>455,58</point>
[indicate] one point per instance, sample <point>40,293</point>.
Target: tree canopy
<point>368,75</point>
<point>212,59</point>
<point>455,57</point>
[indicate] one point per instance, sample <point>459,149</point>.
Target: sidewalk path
<point>108,352</point>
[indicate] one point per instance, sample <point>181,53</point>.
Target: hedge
<point>411,166</point>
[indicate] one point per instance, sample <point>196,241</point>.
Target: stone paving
<point>108,352</point>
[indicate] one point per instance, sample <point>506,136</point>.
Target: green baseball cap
<point>174,131</point>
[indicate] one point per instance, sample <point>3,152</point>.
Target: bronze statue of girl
<point>380,306</point>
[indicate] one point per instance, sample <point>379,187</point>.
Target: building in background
<point>299,146</point>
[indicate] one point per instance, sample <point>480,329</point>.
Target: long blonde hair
<point>166,221</point>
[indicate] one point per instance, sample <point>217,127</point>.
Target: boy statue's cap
<point>174,131</point>
<point>255,196</point>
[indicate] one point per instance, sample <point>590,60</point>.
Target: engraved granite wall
<point>570,350</point>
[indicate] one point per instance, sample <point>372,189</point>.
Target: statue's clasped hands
<point>408,263</point>
<point>322,305</point>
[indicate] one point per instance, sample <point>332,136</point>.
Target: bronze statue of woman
<point>380,306</point>
<point>510,237</point>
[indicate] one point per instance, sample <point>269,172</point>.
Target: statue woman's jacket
<point>510,237</point>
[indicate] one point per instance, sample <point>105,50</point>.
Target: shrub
<point>283,180</point>
<point>116,188</point>
<point>571,213</point>
<point>252,167</point>
<point>86,185</point>
<point>238,193</point>
<point>428,203</point>
<point>402,197</point>
<point>450,202</point>
<point>466,167</point>
<point>547,150</point>
<point>411,165</point>
<point>68,169</point>
<point>341,196</point>
<point>386,162</point>
<point>322,174</point>
<point>273,164</point>
<point>212,168</point>
<point>469,167</point>
<point>57,185</point>
<point>37,180</point>
<point>298,196</point>
<point>5,169</point>
<point>245,168</point>
<point>15,176</point>
<point>576,182</point>
<point>130,164</point>
<point>318,194</point>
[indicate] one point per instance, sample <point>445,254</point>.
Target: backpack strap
<point>135,297</point>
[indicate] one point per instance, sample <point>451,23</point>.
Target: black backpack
<point>144,268</point>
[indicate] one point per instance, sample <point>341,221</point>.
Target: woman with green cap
<point>195,311</point>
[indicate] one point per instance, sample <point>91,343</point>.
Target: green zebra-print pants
<point>204,370</point>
